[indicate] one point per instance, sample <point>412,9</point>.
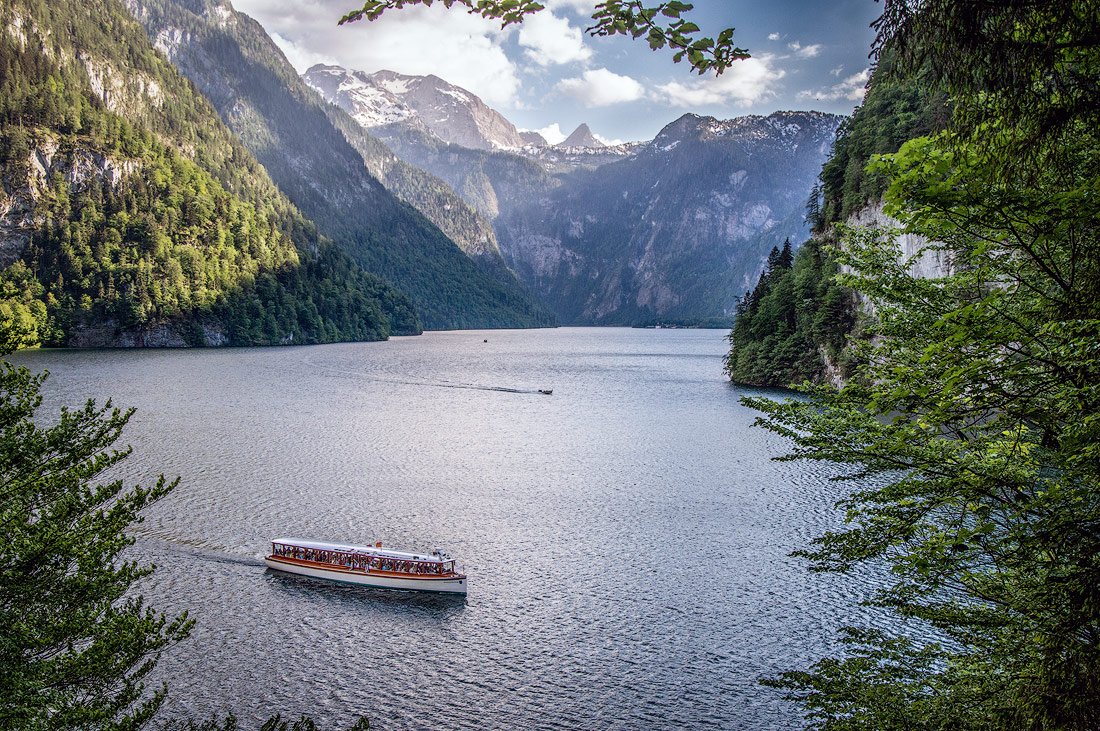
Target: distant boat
<point>546,391</point>
<point>367,565</point>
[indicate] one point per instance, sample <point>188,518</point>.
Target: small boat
<point>546,391</point>
<point>367,565</point>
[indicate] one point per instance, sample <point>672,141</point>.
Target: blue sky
<point>548,75</point>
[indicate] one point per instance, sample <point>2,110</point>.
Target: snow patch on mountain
<point>451,113</point>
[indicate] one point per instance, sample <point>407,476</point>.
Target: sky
<point>548,75</point>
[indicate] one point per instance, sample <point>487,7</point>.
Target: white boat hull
<point>438,584</point>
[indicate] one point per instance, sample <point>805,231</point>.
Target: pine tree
<point>76,644</point>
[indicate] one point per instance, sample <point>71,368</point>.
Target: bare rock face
<point>674,229</point>
<point>530,137</point>
<point>581,137</point>
<point>450,112</point>
<point>924,262</point>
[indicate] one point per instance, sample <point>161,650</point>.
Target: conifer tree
<point>76,644</point>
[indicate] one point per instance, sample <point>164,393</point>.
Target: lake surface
<point>626,538</point>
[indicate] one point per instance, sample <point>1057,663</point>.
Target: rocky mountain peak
<point>451,113</point>
<point>530,137</point>
<point>581,137</point>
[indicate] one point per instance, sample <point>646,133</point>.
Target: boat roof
<point>367,550</point>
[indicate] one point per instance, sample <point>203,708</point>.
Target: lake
<point>627,538</point>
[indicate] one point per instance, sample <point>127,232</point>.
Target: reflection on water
<point>627,538</point>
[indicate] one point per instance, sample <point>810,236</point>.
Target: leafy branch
<point>615,17</point>
<point>661,25</point>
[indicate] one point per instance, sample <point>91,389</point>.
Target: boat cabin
<point>370,559</point>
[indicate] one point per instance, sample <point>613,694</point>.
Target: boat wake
<point>195,548</point>
<point>411,381</point>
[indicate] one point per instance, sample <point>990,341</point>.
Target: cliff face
<point>924,263</point>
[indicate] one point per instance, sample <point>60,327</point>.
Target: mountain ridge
<point>453,114</point>
<point>289,127</point>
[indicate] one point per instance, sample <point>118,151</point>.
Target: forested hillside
<point>795,320</point>
<point>970,423</point>
<point>793,326</point>
<point>132,216</point>
<point>287,127</point>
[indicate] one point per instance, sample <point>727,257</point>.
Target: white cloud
<point>606,140</point>
<point>746,82</point>
<point>837,71</point>
<point>773,36</point>
<point>601,88</point>
<point>417,40</point>
<point>805,51</point>
<point>852,89</point>
<point>300,58</point>
<point>552,133</point>
<point>552,40</point>
<point>584,7</point>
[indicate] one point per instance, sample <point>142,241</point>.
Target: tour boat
<point>367,565</point>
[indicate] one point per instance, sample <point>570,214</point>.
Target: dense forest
<point>795,319</point>
<point>144,220</point>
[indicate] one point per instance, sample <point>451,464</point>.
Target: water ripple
<point>628,539</point>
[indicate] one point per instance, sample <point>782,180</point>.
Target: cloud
<point>773,36</point>
<point>583,7</point>
<point>852,89</point>
<point>837,71</point>
<point>299,57</point>
<point>417,40</point>
<point>552,40</point>
<point>606,140</point>
<point>601,88</point>
<point>805,51</point>
<point>746,82</point>
<point>551,133</point>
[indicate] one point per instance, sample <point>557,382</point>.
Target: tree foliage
<point>1032,62</point>
<point>661,25</point>
<point>77,644</point>
<point>796,317</point>
<point>972,420</point>
<point>975,412</point>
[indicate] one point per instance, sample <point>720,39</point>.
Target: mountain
<point>130,215</point>
<point>531,137</point>
<point>293,133</point>
<point>581,137</point>
<point>675,231</point>
<point>450,112</point>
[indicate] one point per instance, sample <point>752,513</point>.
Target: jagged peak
<point>581,137</point>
